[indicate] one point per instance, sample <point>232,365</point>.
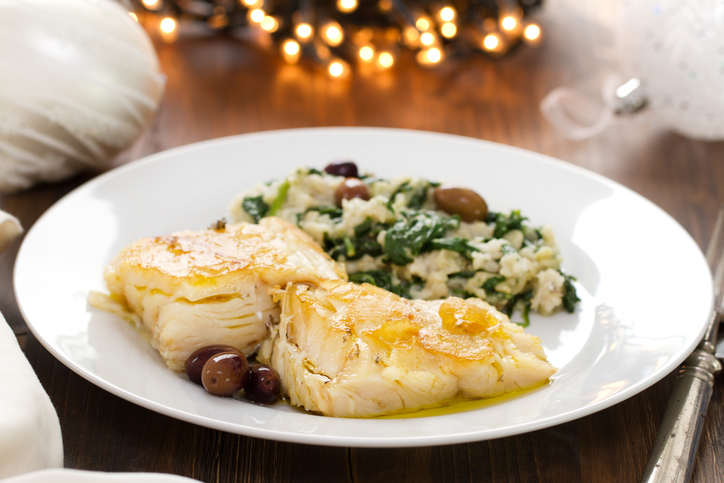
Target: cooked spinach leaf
<point>489,284</point>
<point>505,223</point>
<point>525,298</point>
<point>455,244</point>
<point>570,297</point>
<point>464,274</point>
<point>279,200</point>
<point>385,280</point>
<point>364,228</point>
<point>417,198</point>
<point>351,248</point>
<point>255,206</point>
<point>405,239</point>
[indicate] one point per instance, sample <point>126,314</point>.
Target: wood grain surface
<point>221,86</point>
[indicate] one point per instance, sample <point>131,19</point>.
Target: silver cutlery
<point>672,457</point>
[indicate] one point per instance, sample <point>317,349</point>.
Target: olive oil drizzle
<point>464,406</point>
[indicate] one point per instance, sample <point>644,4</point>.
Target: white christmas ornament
<point>676,48</point>
<point>79,81</point>
<point>673,50</point>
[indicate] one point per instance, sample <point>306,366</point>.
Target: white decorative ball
<point>676,47</point>
<point>79,81</point>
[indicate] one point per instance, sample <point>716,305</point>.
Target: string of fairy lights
<point>339,35</point>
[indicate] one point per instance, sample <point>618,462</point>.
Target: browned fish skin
<point>358,351</point>
<point>196,288</point>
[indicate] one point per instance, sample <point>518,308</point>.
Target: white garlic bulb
<point>79,81</point>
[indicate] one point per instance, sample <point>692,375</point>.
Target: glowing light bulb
<point>291,47</point>
<point>448,30</point>
<point>427,38</point>
<point>509,23</point>
<point>304,32</point>
<point>434,55</point>
<point>385,60</point>
<point>366,53</point>
<point>269,23</point>
<point>167,30</point>
<point>291,50</point>
<point>167,25</point>
<point>251,3</point>
<point>491,42</point>
<point>447,14</point>
<point>347,6</point>
<point>338,69</point>
<point>335,69</point>
<point>152,4</point>
<point>423,24</point>
<point>385,5</point>
<point>532,32</point>
<point>256,15</point>
<point>411,37</point>
<point>333,34</point>
<point>133,16</point>
<point>429,57</point>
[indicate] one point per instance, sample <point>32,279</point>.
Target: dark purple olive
<point>264,384</point>
<point>351,188</point>
<point>342,168</point>
<point>225,373</point>
<point>195,362</point>
<point>465,202</point>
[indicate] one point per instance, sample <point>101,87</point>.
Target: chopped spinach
<point>489,284</point>
<point>417,199</point>
<point>405,239</point>
<point>525,314</point>
<point>255,206</point>
<point>524,298</point>
<point>313,171</point>
<point>505,223</point>
<point>351,248</point>
<point>507,249</point>
<point>279,200</point>
<point>464,274</point>
<point>459,245</point>
<point>334,213</point>
<point>570,297</point>
<point>364,228</point>
<point>385,280</point>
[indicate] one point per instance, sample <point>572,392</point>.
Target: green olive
<point>465,202</point>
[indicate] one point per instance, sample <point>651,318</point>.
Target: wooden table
<point>219,87</point>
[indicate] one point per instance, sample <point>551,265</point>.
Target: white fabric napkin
<point>30,436</point>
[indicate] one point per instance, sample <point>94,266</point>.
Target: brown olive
<point>465,202</point>
<point>351,188</point>
<point>195,362</point>
<point>225,373</point>
<point>342,168</point>
<point>264,384</point>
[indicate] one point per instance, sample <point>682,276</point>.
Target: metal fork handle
<point>672,458</point>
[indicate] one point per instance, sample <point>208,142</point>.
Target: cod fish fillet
<point>357,350</point>
<point>196,288</point>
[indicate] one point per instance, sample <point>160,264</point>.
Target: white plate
<point>644,284</point>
